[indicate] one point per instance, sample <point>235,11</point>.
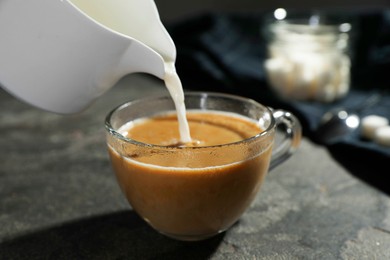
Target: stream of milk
<point>140,11</point>
<point>175,88</point>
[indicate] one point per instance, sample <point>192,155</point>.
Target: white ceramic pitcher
<point>60,55</point>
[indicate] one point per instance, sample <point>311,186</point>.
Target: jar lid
<point>313,23</point>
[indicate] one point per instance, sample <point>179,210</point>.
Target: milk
<point>109,13</point>
<point>174,86</point>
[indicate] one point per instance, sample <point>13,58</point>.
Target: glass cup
<point>193,193</point>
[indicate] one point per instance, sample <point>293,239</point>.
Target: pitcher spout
<point>140,58</point>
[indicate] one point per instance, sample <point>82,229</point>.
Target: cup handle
<point>290,135</point>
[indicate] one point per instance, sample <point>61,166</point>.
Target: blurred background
<point>172,10</point>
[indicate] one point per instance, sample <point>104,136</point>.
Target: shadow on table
<point>120,235</point>
<point>370,167</point>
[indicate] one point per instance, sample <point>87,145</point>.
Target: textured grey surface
<point>59,198</point>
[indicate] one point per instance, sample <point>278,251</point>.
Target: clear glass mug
<point>197,192</point>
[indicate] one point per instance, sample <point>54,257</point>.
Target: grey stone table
<point>60,200</point>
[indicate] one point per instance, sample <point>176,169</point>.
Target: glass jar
<point>308,60</point>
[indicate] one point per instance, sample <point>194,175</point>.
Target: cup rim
<point>110,129</point>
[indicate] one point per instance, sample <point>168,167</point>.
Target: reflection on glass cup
<point>195,192</point>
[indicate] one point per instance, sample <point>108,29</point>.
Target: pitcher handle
<point>292,133</point>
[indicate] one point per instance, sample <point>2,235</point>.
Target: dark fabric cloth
<point>225,52</point>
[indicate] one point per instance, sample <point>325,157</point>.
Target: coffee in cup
<point>192,191</point>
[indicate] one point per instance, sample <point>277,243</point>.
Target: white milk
<point>173,84</point>
<point>107,14</point>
